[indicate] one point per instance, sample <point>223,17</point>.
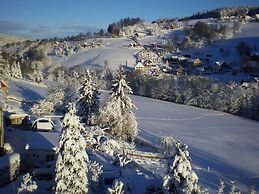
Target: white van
<point>43,124</point>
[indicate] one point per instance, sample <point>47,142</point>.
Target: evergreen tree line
<point>227,11</point>
<point>200,92</point>
<point>115,27</point>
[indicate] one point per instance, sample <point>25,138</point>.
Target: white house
<point>139,67</point>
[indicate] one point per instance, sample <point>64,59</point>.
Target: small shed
<point>16,119</point>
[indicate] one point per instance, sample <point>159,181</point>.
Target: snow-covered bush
<point>61,95</point>
<point>117,115</point>
<point>71,165</point>
<point>88,100</point>
<point>27,185</point>
<point>123,159</point>
<point>95,170</point>
<point>56,96</point>
<point>181,178</point>
<point>168,145</point>
<point>43,107</point>
<point>117,188</point>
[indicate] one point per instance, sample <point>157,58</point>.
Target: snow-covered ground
<point>222,146</point>
<point>226,144</point>
<point>115,51</point>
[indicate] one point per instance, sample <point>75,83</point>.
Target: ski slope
<point>115,51</point>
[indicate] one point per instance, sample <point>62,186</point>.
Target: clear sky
<point>49,18</point>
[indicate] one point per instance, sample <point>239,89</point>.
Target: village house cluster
<point>65,48</point>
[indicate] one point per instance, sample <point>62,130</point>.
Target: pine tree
<point>4,68</point>
<point>117,188</point>
<point>233,188</point>
<point>16,71</point>
<point>221,187</point>
<point>71,165</point>
<point>117,115</point>
<point>88,100</point>
<point>181,178</point>
<point>27,185</point>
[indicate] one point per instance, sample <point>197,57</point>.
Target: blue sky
<point>49,18</point>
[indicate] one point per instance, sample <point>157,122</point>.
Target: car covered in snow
<point>43,124</point>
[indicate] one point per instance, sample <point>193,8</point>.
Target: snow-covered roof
<point>42,140</point>
<point>139,65</point>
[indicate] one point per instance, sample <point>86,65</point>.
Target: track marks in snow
<point>182,119</point>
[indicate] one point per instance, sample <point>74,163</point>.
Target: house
<point>151,66</point>
<point>195,62</point>
<point>41,147</point>
<point>140,34</point>
<point>139,67</point>
<point>180,70</point>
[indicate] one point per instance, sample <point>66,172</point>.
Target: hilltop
<point>7,39</point>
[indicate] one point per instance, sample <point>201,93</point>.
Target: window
<point>50,157</point>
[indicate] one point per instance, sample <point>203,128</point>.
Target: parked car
<point>43,124</point>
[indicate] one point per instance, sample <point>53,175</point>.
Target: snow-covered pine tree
<point>233,188</point>
<point>181,178</point>
<point>117,114</point>
<point>71,165</point>
<point>252,190</point>
<point>117,188</point>
<point>27,185</point>
<point>15,70</point>
<point>221,187</point>
<point>88,100</point>
<point>4,68</point>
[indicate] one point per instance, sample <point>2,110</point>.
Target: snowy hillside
<point>226,144</point>
<point>27,90</point>
<point>222,146</point>
<point>6,39</point>
<point>114,50</point>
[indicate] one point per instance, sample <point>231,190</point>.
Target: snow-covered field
<point>222,146</point>
<point>227,145</point>
<point>115,51</point>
